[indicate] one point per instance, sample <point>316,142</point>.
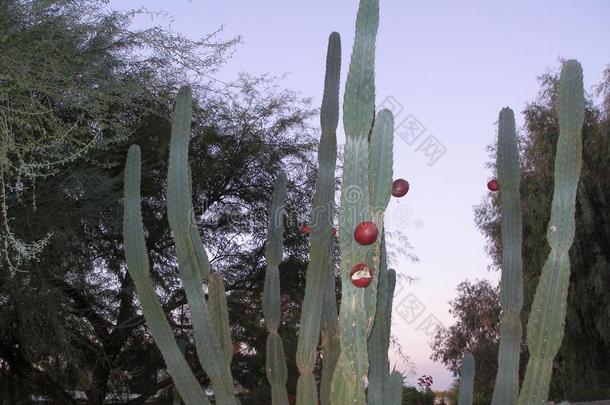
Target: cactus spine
<point>466,387</point>
<point>506,390</point>
<point>320,262</point>
<point>546,322</point>
<point>277,372</point>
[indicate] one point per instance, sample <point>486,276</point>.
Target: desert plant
<point>547,317</point>
<point>356,344</point>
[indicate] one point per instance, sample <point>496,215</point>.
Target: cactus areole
<point>361,275</point>
<point>366,233</point>
<point>400,188</point>
<point>493,185</point>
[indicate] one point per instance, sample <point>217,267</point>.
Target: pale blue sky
<point>450,64</point>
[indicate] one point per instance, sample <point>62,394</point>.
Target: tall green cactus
<point>366,186</point>
<point>393,389</point>
<point>210,331</point>
<point>546,322</point>
<point>277,372</point>
<point>379,340</point>
<point>320,263</point>
<point>363,328</point>
<point>466,386</point>
<point>506,390</point>
<point>329,331</point>
<point>192,258</point>
<point>139,268</point>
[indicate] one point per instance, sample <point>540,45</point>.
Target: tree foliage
<point>65,67</point>
<point>77,87</point>
<point>476,310</point>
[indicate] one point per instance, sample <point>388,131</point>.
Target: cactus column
<point>466,387</point>
<point>506,390</point>
<point>358,113</point>
<point>320,263</point>
<point>139,267</point>
<point>546,322</point>
<point>208,330</point>
<point>277,372</point>
<point>366,186</point>
<point>384,388</point>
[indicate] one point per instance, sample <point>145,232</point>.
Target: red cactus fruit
<point>400,188</point>
<point>493,185</point>
<point>236,348</point>
<point>285,302</point>
<point>361,275</point>
<point>366,233</point>
<point>305,229</point>
<point>334,231</point>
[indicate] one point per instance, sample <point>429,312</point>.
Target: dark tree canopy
<point>69,317</point>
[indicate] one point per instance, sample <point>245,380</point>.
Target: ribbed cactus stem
<point>380,189</point>
<point>466,386</point>
<point>545,326</point>
<point>219,311</point>
<point>330,342</point>
<point>366,186</point>
<point>192,258</point>
<point>321,229</point>
<point>393,389</point>
<point>506,390</point>
<point>139,267</point>
<point>358,113</point>
<point>277,373</point>
<point>379,340</point>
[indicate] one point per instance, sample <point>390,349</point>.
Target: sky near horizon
<point>445,68</point>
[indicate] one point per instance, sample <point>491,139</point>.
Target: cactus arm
<point>192,258</point>
<point>380,188</point>
<point>277,373</point>
<point>331,344</point>
<point>358,113</point>
<point>380,163</point>
<point>466,387</point>
<point>138,266</point>
<point>379,340</point>
<point>393,394</point>
<point>219,311</point>
<point>506,390</point>
<point>545,326</point>
<point>321,229</point>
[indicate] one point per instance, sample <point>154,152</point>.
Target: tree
<point>69,319</point>
<point>477,330</point>
<point>413,396</point>
<point>63,65</point>
<point>581,371</point>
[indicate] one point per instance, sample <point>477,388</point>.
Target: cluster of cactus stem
<point>355,340</point>
<point>545,326</point>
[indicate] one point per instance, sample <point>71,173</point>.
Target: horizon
<point>498,51</point>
